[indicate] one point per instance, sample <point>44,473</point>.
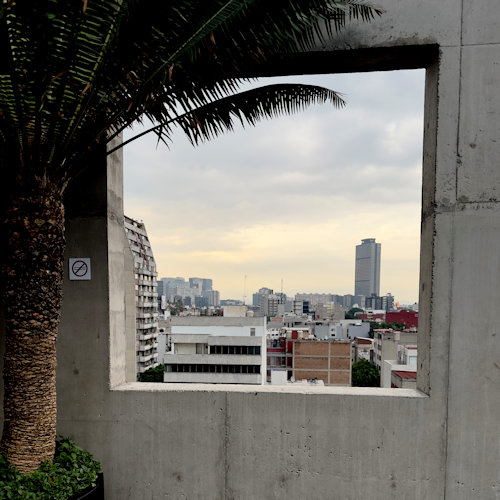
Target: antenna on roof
<point>245,290</point>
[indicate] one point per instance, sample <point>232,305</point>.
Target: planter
<point>92,492</point>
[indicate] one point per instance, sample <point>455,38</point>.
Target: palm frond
<point>247,108</point>
<point>77,72</point>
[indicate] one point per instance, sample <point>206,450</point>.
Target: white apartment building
<point>214,350</point>
<point>386,344</point>
<point>146,297</point>
<point>400,372</point>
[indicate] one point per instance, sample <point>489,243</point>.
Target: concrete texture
<point>200,442</point>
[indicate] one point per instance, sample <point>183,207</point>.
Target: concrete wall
<point>163,441</point>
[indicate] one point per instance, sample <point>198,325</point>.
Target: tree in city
<point>154,374</point>
<point>73,76</point>
<point>351,313</point>
<point>364,374</point>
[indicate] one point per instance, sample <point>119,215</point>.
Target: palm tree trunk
<point>32,277</point>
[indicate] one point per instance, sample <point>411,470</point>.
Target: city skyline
<point>291,198</point>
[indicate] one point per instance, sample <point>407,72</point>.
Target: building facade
<point>256,297</point>
<point>146,295</point>
<point>328,360</point>
<point>214,350</point>
<point>386,345</point>
<point>367,270</point>
<point>272,305</point>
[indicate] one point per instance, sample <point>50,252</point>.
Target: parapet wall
<point>214,442</point>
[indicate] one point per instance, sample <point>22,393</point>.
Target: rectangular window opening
<point>329,181</point>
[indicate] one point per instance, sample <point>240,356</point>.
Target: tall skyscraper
<point>367,273</point>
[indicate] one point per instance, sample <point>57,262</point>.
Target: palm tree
<point>73,75</point>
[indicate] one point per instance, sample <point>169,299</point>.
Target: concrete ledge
<point>291,389</point>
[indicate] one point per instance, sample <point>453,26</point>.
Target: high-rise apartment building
<point>257,296</point>
<point>213,297</point>
<point>200,284</point>
<point>272,304</point>
<point>367,272</point>
<point>146,316</point>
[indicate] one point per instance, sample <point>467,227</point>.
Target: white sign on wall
<point>79,268</point>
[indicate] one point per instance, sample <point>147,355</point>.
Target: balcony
<point>146,303</point>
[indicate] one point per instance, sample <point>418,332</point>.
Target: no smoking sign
<point>79,268</point>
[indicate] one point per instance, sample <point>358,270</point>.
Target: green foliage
<point>364,374</point>
<point>153,374</point>
<point>71,471</point>
<point>175,308</point>
<point>351,313</point>
<point>73,76</point>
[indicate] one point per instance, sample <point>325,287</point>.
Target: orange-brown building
<point>326,360</point>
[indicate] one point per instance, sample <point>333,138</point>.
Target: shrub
<point>364,374</point>
<point>153,374</point>
<point>71,471</point>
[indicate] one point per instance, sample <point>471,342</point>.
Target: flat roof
<point>407,375</point>
<point>216,321</point>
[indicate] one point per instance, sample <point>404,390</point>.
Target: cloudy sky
<point>291,198</point>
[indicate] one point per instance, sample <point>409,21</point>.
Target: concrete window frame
<point>433,442</point>
<point>387,59</point>
<point>121,341</point>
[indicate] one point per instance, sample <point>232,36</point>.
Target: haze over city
<point>292,197</point>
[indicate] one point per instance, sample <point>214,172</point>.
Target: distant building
<point>346,301</point>
<point>370,315</point>
<point>403,379</point>
<point>386,344</point>
<point>354,328</point>
<point>272,305</point>
<point>362,348</point>
<point>257,295</point>
<point>211,349</point>
<point>324,330</point>
<point>315,298</point>
<point>201,302</point>
<point>213,297</point>
<point>200,284</point>
<point>279,357</point>
<point>300,307</point>
<point>234,311</point>
<point>196,284</point>
<point>402,371</point>
<point>330,310</point>
<point>367,269</point>
<point>231,302</point>
<point>329,361</point>
<point>384,303</point>
<point>145,295</point>
<point>407,318</point>
<point>188,292</point>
